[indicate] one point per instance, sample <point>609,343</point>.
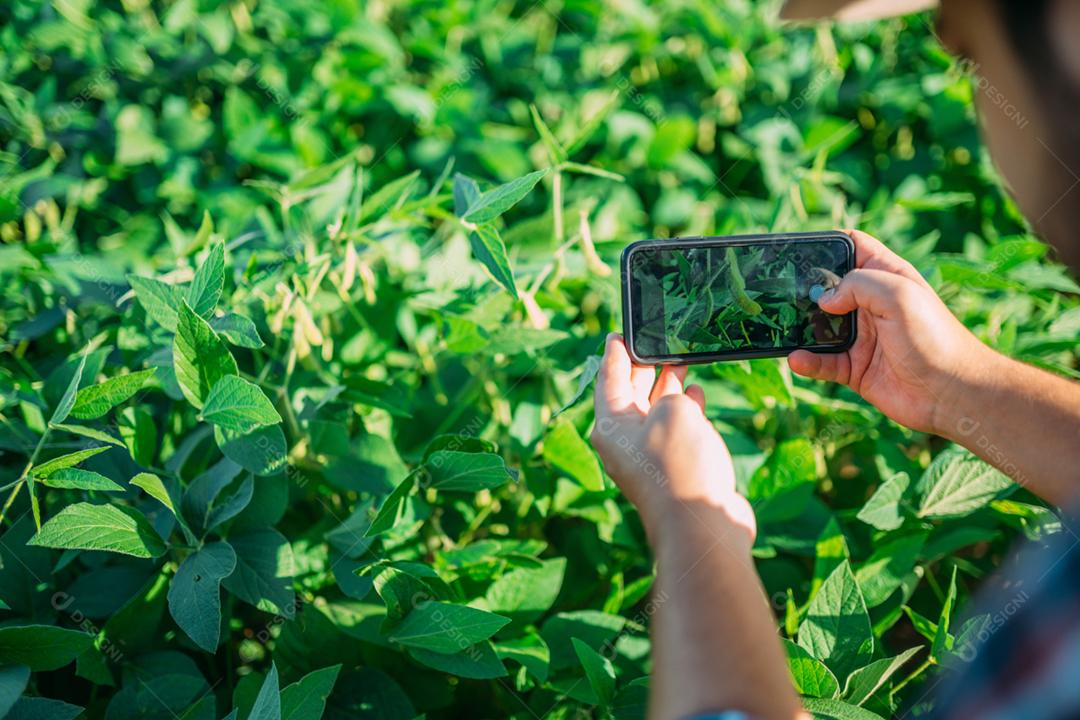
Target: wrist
<point>962,404</point>
<point>678,523</point>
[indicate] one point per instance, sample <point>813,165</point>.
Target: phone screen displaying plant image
<point>729,297</point>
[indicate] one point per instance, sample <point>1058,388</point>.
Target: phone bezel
<point>721,241</point>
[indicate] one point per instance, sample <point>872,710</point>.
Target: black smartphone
<point>704,299</point>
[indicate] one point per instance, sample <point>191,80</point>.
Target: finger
<point>668,383</point>
<point>821,366</point>
<point>872,254</point>
<point>614,392</point>
<point>642,378</point>
<point>697,394</point>
<point>880,292</point>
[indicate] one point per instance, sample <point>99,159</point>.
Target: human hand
<point>658,446</point>
<point>912,358</point>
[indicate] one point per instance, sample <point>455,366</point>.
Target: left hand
<point>659,447</point>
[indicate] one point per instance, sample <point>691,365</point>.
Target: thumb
<point>876,291</point>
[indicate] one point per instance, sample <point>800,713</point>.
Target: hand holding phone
<point>695,300</point>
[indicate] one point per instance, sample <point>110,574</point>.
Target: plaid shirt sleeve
<point>1021,659</point>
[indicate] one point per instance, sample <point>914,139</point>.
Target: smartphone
<point>705,299</point>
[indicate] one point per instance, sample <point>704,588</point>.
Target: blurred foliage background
<point>319,142</point>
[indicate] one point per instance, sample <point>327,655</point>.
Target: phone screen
<point>748,298</point>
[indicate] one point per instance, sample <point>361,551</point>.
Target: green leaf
<point>567,452</point>
<point>446,628</point>
<point>958,483</point>
<point>42,647</point>
<point>837,629</point>
<point>67,400</point>
<point>884,571</point>
<point>942,638</point>
<point>161,301</point>
<point>864,682</point>
<point>39,708</point>
<point>599,671</point>
<point>823,709</point>
<point>488,248</point>
<point>261,451</point>
<point>155,488</point>
<point>526,593</point>
<point>195,593</point>
<point>830,550</point>
<point>205,289</point>
<point>268,702</point>
<point>200,358</point>
<point>65,461</point>
<point>306,698</point>
<point>264,571</point>
<point>238,330</point>
<point>76,479</point>
<point>392,508</point>
<point>112,528</point>
<point>810,675</point>
<point>495,202</point>
<point>554,148</point>
<point>236,404</point>
<point>13,679</point>
<point>96,400</point>
<point>454,470</point>
<point>90,433</point>
<point>883,510</point>
<point>476,662</point>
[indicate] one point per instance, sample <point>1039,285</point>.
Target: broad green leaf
<point>527,593</point>
<point>883,509</point>
<point>476,662</point>
<point>13,679</point>
<point>489,249</point>
<point>96,400</point>
<point>41,647</point>
<point>113,528</point>
<point>39,708</point>
<point>454,470</point>
<point>239,405</point>
<point>810,675</point>
<point>884,571</point>
<point>67,400</point>
<point>65,461</point>
<point>831,550</point>
<point>76,479</point>
<point>823,709</point>
<point>588,374</point>
<point>200,358</point>
<point>400,591</point>
<point>836,628</point>
<point>596,628</point>
<point>567,452</point>
<point>530,651</point>
<point>268,702</point>
<point>392,508</point>
<point>205,289</point>
<point>958,483</point>
<point>599,671</point>
<point>261,451</point>
<point>195,593</point>
<point>864,682</point>
<point>238,330</point>
<point>306,698</point>
<point>161,301</point>
<point>495,202</point>
<point>264,571</point>
<point>445,627</point>
<point>466,191</point>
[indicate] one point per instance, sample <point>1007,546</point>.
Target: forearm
<point>1024,421</point>
<point>715,645</point>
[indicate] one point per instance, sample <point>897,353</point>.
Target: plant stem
<point>918,671</point>
<point>24,475</point>
<point>556,206</point>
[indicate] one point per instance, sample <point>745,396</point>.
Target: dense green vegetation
<point>300,303</point>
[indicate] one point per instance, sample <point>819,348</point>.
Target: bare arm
<point>715,644</point>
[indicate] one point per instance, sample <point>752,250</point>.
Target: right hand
<point>911,357</point>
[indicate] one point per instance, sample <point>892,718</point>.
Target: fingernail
<point>613,336</point>
<point>826,296</point>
